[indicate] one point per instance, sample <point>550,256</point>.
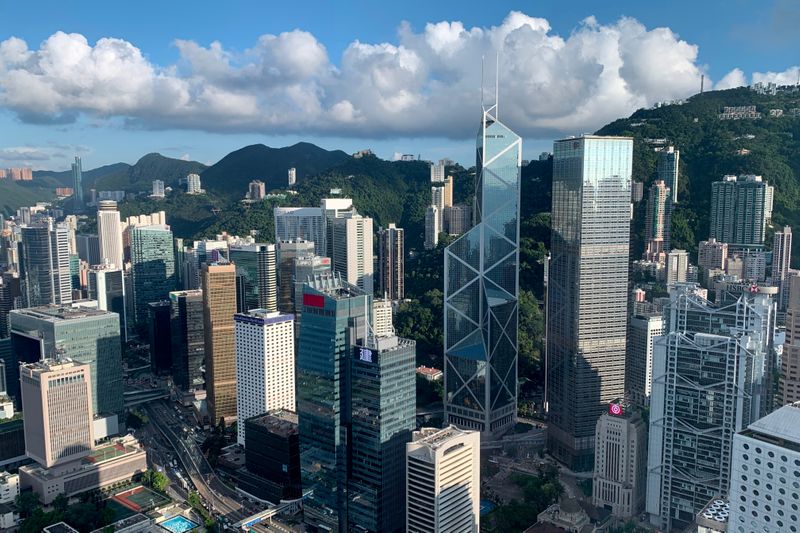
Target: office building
<point>333,208</point>
<point>458,219</point>
<point>193,185</point>
<point>158,189</point>
<point>677,266</point>
<point>764,473</point>
<point>160,336</point>
<point>620,461</point>
<point>306,223</point>
<point>188,338</point>
<point>291,177</point>
<point>335,317</point>
<point>306,269</point>
<point>448,192</point>
<point>352,249</point>
<point>383,416</point>
<point>480,292</point>
<point>152,268</point>
<point>437,172</point>
<point>659,218</point>
<point>712,255</point>
<point>89,249</point>
<point>789,382</point>
<point>77,182</point>
<point>587,290</point>
<point>219,306</point>
<point>711,379</point>
<point>106,285</point>
<point>668,169</point>
<point>264,364</point>
<point>382,318</point>
<point>85,335</point>
<point>443,481</point>
<point>644,327</point>
<point>256,276</point>
<point>738,211</point>
<point>45,264</point>
<point>256,190</point>
<point>57,401</point>
<point>10,298</point>
<point>781,263</point>
<point>432,224</point>
<point>109,232</point>
<point>288,252</point>
<point>391,262</point>
<point>272,457</point>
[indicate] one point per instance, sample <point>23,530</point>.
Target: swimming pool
<point>178,524</point>
<point>487,507</point>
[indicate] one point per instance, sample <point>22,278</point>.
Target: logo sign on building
<point>313,300</point>
<point>364,354</point>
<point>615,409</point>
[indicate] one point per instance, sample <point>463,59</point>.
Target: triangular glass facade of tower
<point>481,288</point>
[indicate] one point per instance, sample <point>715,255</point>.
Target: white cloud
<point>426,83</point>
<point>734,78</point>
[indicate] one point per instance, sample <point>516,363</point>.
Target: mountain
<point>711,148</point>
<point>15,194</point>
<point>64,178</point>
<point>232,174</point>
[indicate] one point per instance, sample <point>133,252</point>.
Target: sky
<point>198,80</point>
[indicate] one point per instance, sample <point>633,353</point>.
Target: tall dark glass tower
<point>587,290</point>
<point>481,288</point>
<point>77,178</point>
<point>188,338</point>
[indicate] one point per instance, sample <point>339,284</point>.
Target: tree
<point>27,502</point>
<point>60,503</point>
<point>159,481</point>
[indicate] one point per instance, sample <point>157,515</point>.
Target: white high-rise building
<point>264,364</point>
<point>352,249</point>
<point>158,189</point>
<point>307,223</point>
<point>765,467</point>
<point>292,177</point>
<point>620,461</point>
<point>443,481</point>
<point>643,328</point>
<point>437,199</point>
<point>109,233</point>
<point>382,318</point>
<point>437,172</point>
<point>432,223</point>
<point>193,184</point>
<point>677,266</point>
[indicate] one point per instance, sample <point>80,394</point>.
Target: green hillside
<point>710,148</point>
<point>15,194</point>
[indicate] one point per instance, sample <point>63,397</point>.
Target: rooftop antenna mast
<point>497,87</point>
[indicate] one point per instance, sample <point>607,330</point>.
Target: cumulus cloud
<point>426,83</point>
<point>23,153</point>
<point>734,78</point>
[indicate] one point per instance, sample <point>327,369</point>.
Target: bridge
<point>138,397</point>
<point>290,506</point>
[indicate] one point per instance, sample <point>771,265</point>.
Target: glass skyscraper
<point>153,268</point>
<point>256,276</point>
<point>77,182</point>
<point>481,288</point>
<point>335,316</point>
<point>587,290</point>
<point>45,264</point>
<point>188,338</point>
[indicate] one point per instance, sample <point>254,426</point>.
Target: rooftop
<point>334,286</point>
<point>715,514</point>
<point>781,424</point>
<point>55,313</point>
<point>280,422</point>
<point>59,527</point>
<point>435,437</point>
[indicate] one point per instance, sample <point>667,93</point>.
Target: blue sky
<point>116,101</point>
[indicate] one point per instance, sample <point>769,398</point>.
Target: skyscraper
<point>659,218</point>
<point>45,264</point>
<point>781,263</point>
<point>677,266</point>
<point>739,211</point>
<point>264,364</point>
<point>668,169</point>
<point>159,336</point>
<point>443,481</point>
<point>643,329</point>
<point>710,380</point>
<point>109,232</point>
<point>432,224</point>
<point>382,416</point>
<point>712,255</point>
<point>437,199</point>
<point>152,266</point>
<point>437,172</point>
<point>88,336</point>
<point>333,208</point>
<point>335,317</point>
<point>77,184</point>
<point>789,383</point>
<point>351,246</point>
<point>188,338</point>
<point>448,192</point>
<point>391,262</point>
<point>193,184</point>
<point>480,291</point>
<point>301,223</point>
<point>288,252</point>
<point>57,399</point>
<point>219,306</point>
<point>587,290</point>
<point>106,285</point>
<point>256,276</point>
